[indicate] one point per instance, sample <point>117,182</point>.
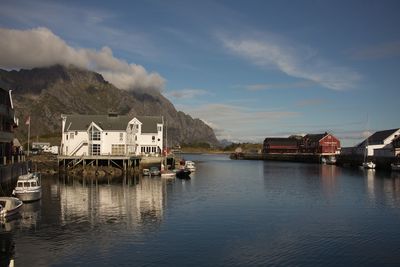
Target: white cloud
<point>186,93</point>
<point>238,123</point>
<point>40,47</point>
<point>299,62</point>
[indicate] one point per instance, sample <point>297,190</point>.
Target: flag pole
<point>29,131</point>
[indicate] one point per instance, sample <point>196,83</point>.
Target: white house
<point>379,144</point>
<point>112,134</point>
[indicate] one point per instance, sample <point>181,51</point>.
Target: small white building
<point>380,141</point>
<point>112,134</point>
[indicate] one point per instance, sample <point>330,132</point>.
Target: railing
<point>78,147</point>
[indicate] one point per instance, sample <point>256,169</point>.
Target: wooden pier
<point>123,163</point>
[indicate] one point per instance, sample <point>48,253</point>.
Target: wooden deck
<point>121,162</point>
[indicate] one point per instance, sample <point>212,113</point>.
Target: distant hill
<point>46,93</point>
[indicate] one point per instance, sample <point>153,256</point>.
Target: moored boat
<point>146,172</point>
<point>183,174</point>
<point>190,165</point>
<point>369,165</point>
<point>9,206</point>
<point>395,166</point>
<point>28,187</point>
<point>154,171</point>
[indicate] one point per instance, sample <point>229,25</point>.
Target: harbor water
<point>231,213</point>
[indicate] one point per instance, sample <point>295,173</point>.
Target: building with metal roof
<point>111,134</point>
<point>378,140</point>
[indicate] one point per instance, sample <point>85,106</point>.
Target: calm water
<point>231,213</point>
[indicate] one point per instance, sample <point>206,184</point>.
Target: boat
<point>146,172</point>
<point>168,174</point>
<point>395,166</point>
<point>28,187</point>
<point>331,160</point>
<point>368,165</point>
<point>9,206</point>
<point>189,165</point>
<point>183,174</point>
<point>154,171</point>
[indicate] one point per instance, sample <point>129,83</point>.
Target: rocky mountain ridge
<point>46,93</point>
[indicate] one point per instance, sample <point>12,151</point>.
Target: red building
<point>310,144</point>
<point>280,145</point>
<point>320,144</point>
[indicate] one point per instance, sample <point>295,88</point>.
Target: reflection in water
<point>7,249</point>
<point>7,245</point>
<point>232,213</point>
<point>370,173</point>
<point>383,187</point>
<point>135,201</point>
<point>329,174</point>
<point>30,214</point>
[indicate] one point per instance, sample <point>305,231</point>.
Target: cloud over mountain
<point>40,47</point>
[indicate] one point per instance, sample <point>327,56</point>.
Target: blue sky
<point>249,69</point>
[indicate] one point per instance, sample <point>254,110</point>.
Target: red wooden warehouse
<point>324,143</point>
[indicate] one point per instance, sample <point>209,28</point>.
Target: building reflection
<point>383,187</point>
<point>133,202</point>
<point>329,174</point>
<point>7,245</point>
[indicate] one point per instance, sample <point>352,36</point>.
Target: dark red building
<point>320,144</point>
<point>310,144</point>
<point>280,145</point>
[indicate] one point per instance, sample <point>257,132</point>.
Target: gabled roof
<point>280,141</point>
<point>315,137</point>
<point>379,137</point>
<point>110,123</point>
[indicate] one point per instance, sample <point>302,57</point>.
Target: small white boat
<point>369,165</point>
<point>154,171</point>
<point>146,172</point>
<point>395,166</point>
<point>28,187</point>
<point>9,206</point>
<point>189,165</point>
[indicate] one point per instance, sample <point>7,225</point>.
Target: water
<point>231,213</point>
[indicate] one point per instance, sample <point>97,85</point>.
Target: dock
<point>124,163</point>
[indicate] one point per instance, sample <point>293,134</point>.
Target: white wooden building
<point>379,144</point>
<point>112,134</point>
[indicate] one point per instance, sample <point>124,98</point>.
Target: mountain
<point>46,93</point>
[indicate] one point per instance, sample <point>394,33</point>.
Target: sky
<point>249,69</point>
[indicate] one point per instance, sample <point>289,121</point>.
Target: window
<point>153,138</point>
<point>66,136</point>
<point>94,134</point>
<point>118,149</point>
<point>94,149</point>
<point>121,137</point>
<point>71,136</point>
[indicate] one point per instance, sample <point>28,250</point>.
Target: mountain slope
<point>46,93</point>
